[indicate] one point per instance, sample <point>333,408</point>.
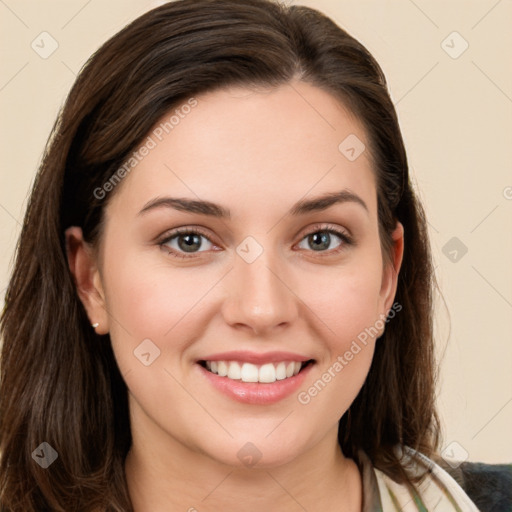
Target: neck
<point>165,475</point>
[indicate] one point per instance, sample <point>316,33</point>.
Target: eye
<point>187,242</point>
<point>322,237</point>
<point>184,243</point>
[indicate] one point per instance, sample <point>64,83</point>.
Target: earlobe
<point>392,269</point>
<point>83,266</point>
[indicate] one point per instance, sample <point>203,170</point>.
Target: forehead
<point>255,147</point>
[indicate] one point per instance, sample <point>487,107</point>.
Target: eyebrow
<point>302,207</point>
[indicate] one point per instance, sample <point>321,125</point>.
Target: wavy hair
<point>59,381</point>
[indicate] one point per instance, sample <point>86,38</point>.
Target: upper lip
<point>255,357</point>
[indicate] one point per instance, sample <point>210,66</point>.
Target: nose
<point>258,297</point>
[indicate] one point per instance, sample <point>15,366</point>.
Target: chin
<point>260,453</point>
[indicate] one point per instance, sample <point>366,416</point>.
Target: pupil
<point>323,239</point>
<point>189,241</point>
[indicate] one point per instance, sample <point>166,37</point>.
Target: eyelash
<point>345,238</point>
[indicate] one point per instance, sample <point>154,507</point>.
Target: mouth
<point>266,373</point>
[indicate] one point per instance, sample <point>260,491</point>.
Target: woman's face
<point>280,281</point>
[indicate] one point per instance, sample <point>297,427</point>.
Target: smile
<point>249,372</point>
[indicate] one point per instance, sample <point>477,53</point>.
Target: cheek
<point>155,302</point>
<point>347,300</point>
<point>349,313</point>
<point>346,306</point>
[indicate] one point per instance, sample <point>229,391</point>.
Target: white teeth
<point>267,373</point>
<point>234,371</point>
<point>222,368</point>
<point>248,372</point>
<point>281,371</point>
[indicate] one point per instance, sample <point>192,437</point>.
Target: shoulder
<point>436,491</point>
<point>488,485</point>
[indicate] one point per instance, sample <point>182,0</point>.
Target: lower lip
<point>257,393</point>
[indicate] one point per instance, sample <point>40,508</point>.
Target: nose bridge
<point>258,295</point>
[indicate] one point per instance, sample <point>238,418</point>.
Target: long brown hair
<point>59,382</point>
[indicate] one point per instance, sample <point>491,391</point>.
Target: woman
<point>222,295</point>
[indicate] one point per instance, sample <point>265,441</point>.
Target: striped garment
<point>438,492</point>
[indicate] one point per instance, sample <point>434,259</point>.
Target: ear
<point>83,265</point>
<point>391,270</point>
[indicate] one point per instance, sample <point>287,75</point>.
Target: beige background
<point>455,115</point>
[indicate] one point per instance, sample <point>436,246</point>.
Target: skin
<point>256,152</point>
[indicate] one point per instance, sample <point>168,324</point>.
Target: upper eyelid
<point>169,235</point>
<point>323,226</point>
<point>303,233</point>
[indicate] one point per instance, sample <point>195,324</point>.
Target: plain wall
<point>455,115</point>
